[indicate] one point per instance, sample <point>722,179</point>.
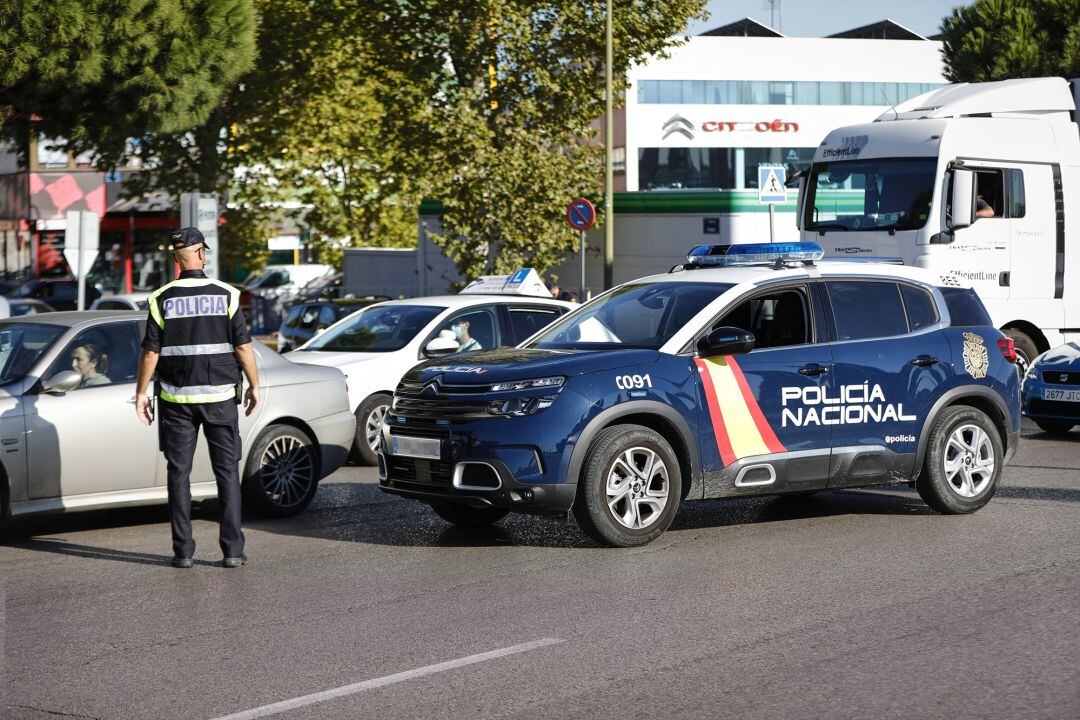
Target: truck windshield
<point>878,194</point>
<point>632,316</point>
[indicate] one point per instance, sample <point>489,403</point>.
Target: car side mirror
<point>726,341</point>
<point>441,346</point>
<point>62,382</point>
<point>963,199</point>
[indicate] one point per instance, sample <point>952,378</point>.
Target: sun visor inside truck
<point>523,282</point>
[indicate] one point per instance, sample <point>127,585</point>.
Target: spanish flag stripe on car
<point>717,417</point>
<point>738,423</point>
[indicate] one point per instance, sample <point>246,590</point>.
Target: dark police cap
<point>185,238</point>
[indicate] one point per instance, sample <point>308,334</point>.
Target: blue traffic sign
<point>770,184</point>
<point>581,214</point>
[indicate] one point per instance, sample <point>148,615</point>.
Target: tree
<point>99,72</point>
<point>301,129</point>
<point>1001,39</point>
<point>493,103</point>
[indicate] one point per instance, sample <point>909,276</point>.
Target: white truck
<point>979,181</point>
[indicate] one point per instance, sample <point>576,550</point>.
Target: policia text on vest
<point>197,342</point>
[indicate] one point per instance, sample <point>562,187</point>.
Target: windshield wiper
<point>822,227</point>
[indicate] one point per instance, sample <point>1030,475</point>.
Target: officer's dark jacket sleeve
<point>152,338</point>
<point>240,334</point>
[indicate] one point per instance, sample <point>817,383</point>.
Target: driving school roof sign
<point>523,282</point>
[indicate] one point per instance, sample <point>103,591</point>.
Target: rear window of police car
<point>965,307</point>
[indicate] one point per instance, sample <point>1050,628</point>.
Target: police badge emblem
<point>976,359</point>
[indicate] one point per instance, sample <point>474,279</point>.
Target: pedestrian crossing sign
<point>771,179</point>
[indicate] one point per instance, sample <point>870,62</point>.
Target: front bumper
<point>1033,406</point>
<point>518,472</point>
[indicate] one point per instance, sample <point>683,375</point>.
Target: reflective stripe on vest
<point>192,394</point>
<point>189,350</point>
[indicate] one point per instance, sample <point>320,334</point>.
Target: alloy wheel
<point>969,461</point>
<point>637,488</point>
<point>373,426</point>
<point>287,471</point>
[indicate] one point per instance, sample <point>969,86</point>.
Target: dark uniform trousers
<point>180,423</point>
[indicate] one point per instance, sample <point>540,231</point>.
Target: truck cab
<point>971,182</point>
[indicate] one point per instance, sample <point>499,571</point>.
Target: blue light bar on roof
<point>756,253</point>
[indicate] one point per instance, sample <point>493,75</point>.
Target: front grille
<point>447,402</point>
<point>1055,408</point>
<point>423,472</point>
<point>1061,377</point>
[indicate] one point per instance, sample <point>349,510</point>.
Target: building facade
<point>742,95</point>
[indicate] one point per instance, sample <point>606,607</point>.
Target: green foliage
<point>243,239</point>
<point>1001,39</point>
<point>98,72</point>
<point>493,103</point>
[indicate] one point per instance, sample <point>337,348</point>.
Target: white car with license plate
<point>377,345</point>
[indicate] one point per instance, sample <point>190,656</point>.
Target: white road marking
<point>379,682</point>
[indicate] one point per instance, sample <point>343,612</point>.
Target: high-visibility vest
<point>196,363</point>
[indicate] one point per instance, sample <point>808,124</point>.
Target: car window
<point>867,309</point>
<point>965,307</point>
<point>526,322</point>
<point>276,278</point>
<point>61,291</point>
<point>309,317</point>
<point>112,305</point>
<point>103,355</point>
<point>292,320</point>
<point>921,310</point>
<point>21,346</point>
<point>381,328</point>
<point>475,329</point>
<point>643,315</point>
<point>327,317</point>
<point>776,319</point>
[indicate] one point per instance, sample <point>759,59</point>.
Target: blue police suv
<point>749,370</point>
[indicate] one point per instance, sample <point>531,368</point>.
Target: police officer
<point>195,338</point>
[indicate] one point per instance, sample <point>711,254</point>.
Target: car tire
<point>1054,428</point>
<point>468,517</point>
<point>964,461</point>
<point>620,479</point>
<point>370,416</point>
<point>282,472</point>
<point>1026,349</point>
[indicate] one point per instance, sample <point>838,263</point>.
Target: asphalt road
<point>852,604</point>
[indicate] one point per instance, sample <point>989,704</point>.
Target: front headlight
<point>548,382</point>
<point>518,407</point>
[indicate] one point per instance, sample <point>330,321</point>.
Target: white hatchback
<point>375,346</point>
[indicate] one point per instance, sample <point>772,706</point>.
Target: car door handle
<point>813,370</point>
<point>925,361</point>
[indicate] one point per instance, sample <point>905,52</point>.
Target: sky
<point>817,18</point>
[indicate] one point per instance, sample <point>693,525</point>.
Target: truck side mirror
<point>726,341</point>
<point>963,199</point>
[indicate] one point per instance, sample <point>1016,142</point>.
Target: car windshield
<point>880,194</point>
<point>22,345</point>
<point>383,328</point>
<point>632,316</point>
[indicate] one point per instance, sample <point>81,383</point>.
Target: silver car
<point>70,440</point>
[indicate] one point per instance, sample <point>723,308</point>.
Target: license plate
<point>405,446</point>
<point>1057,394</point>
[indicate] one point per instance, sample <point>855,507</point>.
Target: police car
<point>376,345</point>
<point>750,370</point>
